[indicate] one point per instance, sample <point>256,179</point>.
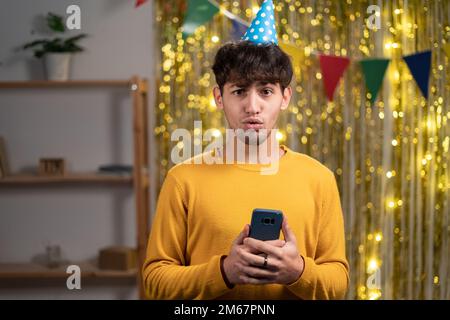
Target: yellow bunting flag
<point>295,52</point>
<point>447,49</point>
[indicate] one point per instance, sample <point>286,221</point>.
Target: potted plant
<point>56,52</point>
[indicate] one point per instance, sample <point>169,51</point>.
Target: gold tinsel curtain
<point>390,158</point>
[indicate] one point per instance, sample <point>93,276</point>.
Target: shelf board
<point>22,271</point>
<point>69,83</point>
<point>68,178</point>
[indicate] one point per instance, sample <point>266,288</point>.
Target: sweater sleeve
<point>325,276</point>
<point>165,273</point>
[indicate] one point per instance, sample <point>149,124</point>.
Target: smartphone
<point>266,224</point>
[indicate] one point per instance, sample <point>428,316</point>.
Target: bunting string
<point>419,64</point>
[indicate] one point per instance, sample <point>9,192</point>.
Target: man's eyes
<point>265,92</point>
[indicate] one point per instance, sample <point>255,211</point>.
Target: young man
<point>199,246</point>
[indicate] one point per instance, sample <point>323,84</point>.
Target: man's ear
<point>218,97</point>
<point>287,94</point>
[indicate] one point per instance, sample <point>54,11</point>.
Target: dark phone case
<point>263,231</point>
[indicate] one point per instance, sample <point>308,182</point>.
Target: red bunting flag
<point>140,2</point>
<point>332,70</point>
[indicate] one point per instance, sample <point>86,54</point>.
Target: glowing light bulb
<point>374,295</point>
<point>279,136</point>
<point>372,265</point>
<point>216,133</point>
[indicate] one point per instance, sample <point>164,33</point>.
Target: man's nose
<point>252,103</point>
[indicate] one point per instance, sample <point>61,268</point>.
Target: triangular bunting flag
<point>295,52</point>
<point>419,64</point>
<point>140,2</point>
<point>262,30</point>
<point>198,12</point>
<point>447,49</point>
<point>238,30</point>
<point>374,70</point>
<point>332,70</point>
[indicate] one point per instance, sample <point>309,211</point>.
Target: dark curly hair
<point>244,62</point>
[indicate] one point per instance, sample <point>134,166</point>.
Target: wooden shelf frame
<point>24,179</point>
<point>66,84</point>
<point>138,88</point>
<point>21,271</point>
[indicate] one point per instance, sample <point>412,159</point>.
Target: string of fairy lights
<point>390,158</point>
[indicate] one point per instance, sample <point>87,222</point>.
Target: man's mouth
<point>254,126</point>
<point>253,123</point>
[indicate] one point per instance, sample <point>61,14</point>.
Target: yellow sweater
<point>202,208</point>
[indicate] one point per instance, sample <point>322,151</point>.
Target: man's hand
<point>233,264</point>
<point>284,263</point>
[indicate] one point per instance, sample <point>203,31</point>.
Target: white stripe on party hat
<point>262,30</point>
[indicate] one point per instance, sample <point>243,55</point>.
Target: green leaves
<point>34,43</point>
<point>43,46</point>
<point>55,22</point>
<point>55,45</point>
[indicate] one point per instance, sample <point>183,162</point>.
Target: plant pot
<point>57,66</point>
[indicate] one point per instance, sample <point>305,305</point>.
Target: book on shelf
<point>116,169</point>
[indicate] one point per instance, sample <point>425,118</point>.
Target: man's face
<point>256,106</point>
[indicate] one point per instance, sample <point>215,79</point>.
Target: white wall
<point>87,127</point>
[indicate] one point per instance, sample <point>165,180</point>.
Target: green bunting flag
<point>374,70</point>
<point>198,13</point>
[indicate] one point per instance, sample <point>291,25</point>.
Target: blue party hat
<point>262,30</point>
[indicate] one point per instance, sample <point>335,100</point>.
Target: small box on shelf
<point>52,167</point>
<point>117,258</point>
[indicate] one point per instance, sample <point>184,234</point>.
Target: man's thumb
<point>242,235</point>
